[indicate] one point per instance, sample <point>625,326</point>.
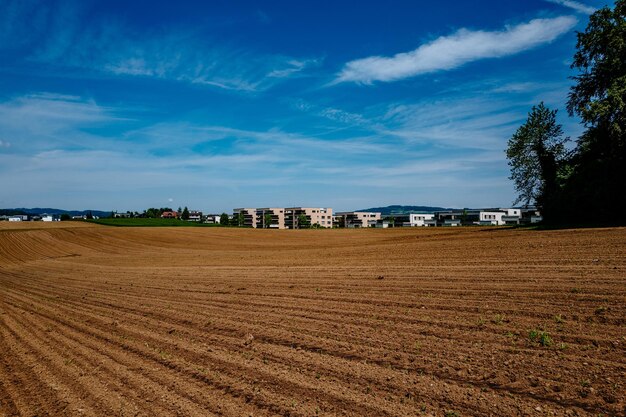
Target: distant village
<point>319,217</point>
<point>314,217</point>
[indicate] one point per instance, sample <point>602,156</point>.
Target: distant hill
<point>397,209</point>
<point>11,212</point>
<point>48,210</point>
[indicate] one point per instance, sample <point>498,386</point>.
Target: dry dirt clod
<point>247,341</point>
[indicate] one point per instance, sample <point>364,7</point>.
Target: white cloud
<point>409,152</point>
<point>449,52</point>
<point>4,144</point>
<point>181,59</point>
<point>46,120</point>
<point>293,67</point>
<point>57,36</point>
<point>575,5</point>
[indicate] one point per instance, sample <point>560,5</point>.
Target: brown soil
<point>99,320</point>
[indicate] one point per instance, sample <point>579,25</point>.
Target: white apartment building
<point>491,218</point>
<point>512,216</point>
<point>420,220</point>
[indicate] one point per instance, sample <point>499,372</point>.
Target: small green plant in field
<point>601,310</point>
<point>563,346</point>
<point>585,383</point>
<point>541,337</point>
<point>481,322</point>
<point>545,339</point>
<point>451,413</point>
<point>559,319</point>
<point>498,319</point>
<point>575,290</point>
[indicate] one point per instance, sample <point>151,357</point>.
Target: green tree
<point>303,221</point>
<point>89,215</point>
<point>598,180</point>
<point>151,213</point>
<point>536,154</point>
<point>267,220</point>
<point>241,219</point>
<point>599,95</point>
<point>224,219</point>
<point>65,217</point>
<point>185,215</point>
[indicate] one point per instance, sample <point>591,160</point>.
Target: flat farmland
<point>97,320</point>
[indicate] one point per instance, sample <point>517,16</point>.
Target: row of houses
<point>283,218</point>
<point>304,217</point>
<point>465,217</point>
<point>194,216</point>
<point>320,217</point>
<point>26,218</point>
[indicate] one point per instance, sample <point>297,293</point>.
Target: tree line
<point>154,213</point>
<point>586,184</point>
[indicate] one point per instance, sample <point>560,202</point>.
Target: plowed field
<point>105,321</point>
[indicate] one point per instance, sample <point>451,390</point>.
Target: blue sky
<point>118,105</point>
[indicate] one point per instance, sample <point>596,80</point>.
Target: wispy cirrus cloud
<point>48,112</point>
<point>292,67</point>
<point>181,58</point>
<point>453,51</point>
<point>575,5</point>
<point>58,149</point>
<point>48,121</point>
<point>57,36</point>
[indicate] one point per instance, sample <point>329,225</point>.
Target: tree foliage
<point>536,153</point>
<point>241,219</point>
<point>224,219</point>
<point>303,221</point>
<point>267,220</point>
<point>185,214</point>
<point>587,185</point>
<point>154,212</point>
<point>598,180</point>
<point>599,95</point>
